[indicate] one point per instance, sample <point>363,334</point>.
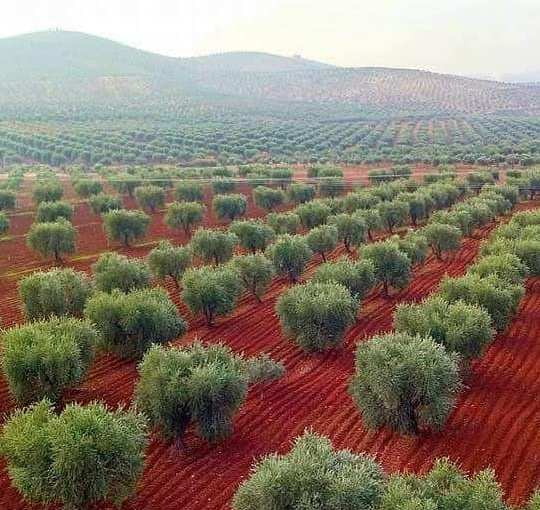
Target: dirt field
<point>495,423</point>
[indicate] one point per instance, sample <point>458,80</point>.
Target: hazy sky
<point>479,37</point>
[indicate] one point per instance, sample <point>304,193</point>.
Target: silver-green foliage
<point>86,454</point>
<point>316,315</point>
<point>41,359</point>
<point>114,271</point>
<point>312,476</point>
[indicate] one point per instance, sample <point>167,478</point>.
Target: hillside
<point>64,73</point>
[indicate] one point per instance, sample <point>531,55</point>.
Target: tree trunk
<point>323,256</point>
<point>370,234</point>
<point>385,289</point>
<point>410,416</point>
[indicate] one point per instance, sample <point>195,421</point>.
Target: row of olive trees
<point>314,475</point>
<point>408,379</point>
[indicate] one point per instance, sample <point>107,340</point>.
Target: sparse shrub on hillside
<point>203,385</point>
<point>189,191</point>
<point>167,260</point>
<point>392,266</point>
<point>150,197</point>
<point>404,382</point>
<point>211,291</point>
<point>55,239</point>
<point>48,191</point>
<point>300,193</point>
<point>86,188</point>
<point>229,206</point>
<point>55,292</point>
<point>41,359</point>
<point>268,198</point>
<point>498,297</point>
<point>125,226</point>
<point>113,271</point>
<point>283,223</point>
<point>254,235</point>
<point>356,276</point>
<point>184,215</point>
<point>255,273</point>
<point>460,327</point>
<point>312,475</point>
<point>85,455</point>
<point>102,203</point>
<point>213,245</point>
<point>129,324</point>
<point>312,214</point>
<point>442,238</point>
<point>316,315</point>
<point>7,200</point>
<point>52,211</point>
<point>322,239</point>
<point>289,254</point>
<point>351,229</point>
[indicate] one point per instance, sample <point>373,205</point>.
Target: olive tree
<point>356,276</point>
<point>499,297</point>
<point>55,239</point>
<point>223,185</point>
<point>203,385</point>
<point>229,206</point>
<point>184,215</point>
<point>211,291</point>
<point>47,191</point>
<point>150,197</point>
<point>392,266</point>
<point>125,226</point>
<point>268,198</point>
<point>372,220</point>
<point>189,191</point>
<point>312,475</point>
<point>351,229</point>
<point>445,486</point>
<point>167,260</point>
<point>404,382</point>
<point>414,245</point>
<point>359,200</point>
<point>55,292</point>
<point>7,199</point>
<point>4,224</point>
<point>393,214</point>
<point>86,188</point>
<point>506,266</point>
<point>102,203</point>
<point>52,211</point>
<point>300,193</point>
<point>459,218</point>
<point>312,214</point>
<point>85,455</point>
<point>253,235</point>
<point>255,273</point>
<point>283,223</point>
<point>316,315</point>
<point>460,327</point>
<point>213,245</point>
<point>125,183</point>
<point>417,205</point>
<point>322,239</point>
<point>289,254</point>
<point>114,271</point>
<point>128,324</point>
<point>442,238</point>
<point>41,359</point>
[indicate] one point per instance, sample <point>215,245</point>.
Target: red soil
<point>494,423</point>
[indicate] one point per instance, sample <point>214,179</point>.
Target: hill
<point>65,73</point>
